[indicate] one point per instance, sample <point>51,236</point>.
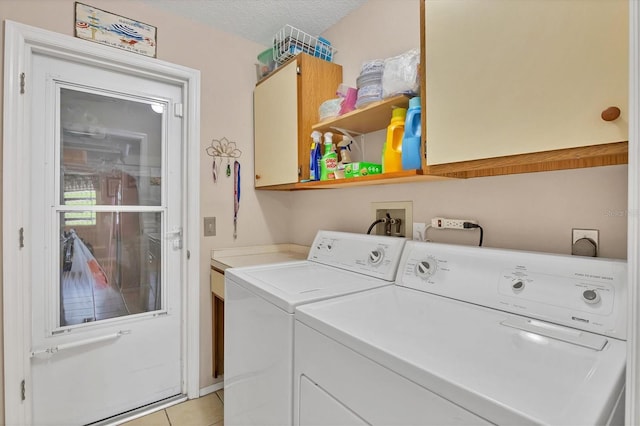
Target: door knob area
<point>610,113</point>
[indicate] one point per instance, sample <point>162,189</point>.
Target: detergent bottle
<point>411,142</point>
<point>345,150</point>
<point>329,161</point>
<point>392,150</point>
<point>314,155</point>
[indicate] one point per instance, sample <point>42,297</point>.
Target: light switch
<point>210,226</point>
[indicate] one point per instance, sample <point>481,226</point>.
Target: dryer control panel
<point>579,292</point>
<point>373,255</point>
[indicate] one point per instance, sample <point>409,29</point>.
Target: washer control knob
<point>426,268</point>
<point>590,296</point>
<point>517,286</point>
<point>376,256</point>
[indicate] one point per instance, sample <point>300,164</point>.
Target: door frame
<point>633,218</point>
<point>21,43</point>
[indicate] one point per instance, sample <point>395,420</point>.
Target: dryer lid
<point>290,284</point>
<point>470,356</point>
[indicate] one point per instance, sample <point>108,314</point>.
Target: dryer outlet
<point>397,210</point>
<point>584,242</point>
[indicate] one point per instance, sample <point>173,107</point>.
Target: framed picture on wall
<point>114,30</point>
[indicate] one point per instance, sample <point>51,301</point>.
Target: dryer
<point>468,335</point>
<point>259,317</point>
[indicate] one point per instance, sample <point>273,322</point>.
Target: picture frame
<point>113,30</point>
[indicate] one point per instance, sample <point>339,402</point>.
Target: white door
<point>105,235</point>
<point>80,348</point>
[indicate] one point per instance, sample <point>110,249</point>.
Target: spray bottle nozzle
<point>328,138</point>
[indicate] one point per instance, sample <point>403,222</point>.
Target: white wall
<point>533,211</point>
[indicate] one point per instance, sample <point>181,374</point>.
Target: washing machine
<point>259,317</point>
<point>468,335</point>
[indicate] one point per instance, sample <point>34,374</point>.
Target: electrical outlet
<point>419,231</point>
<point>210,226</point>
<point>444,223</point>
<point>589,234</point>
<point>402,210</point>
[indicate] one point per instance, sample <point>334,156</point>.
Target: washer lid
<point>466,354</point>
<point>287,285</point>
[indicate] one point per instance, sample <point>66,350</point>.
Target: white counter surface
<point>222,259</point>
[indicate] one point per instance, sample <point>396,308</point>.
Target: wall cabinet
<point>510,79</point>
<point>285,107</point>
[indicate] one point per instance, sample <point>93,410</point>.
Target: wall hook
<point>219,149</point>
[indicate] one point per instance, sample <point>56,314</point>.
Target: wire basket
<point>290,41</point>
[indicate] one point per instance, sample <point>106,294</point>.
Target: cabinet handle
<point>257,176</point>
<point>610,113</point>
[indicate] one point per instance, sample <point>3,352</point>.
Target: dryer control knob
<point>517,286</point>
<point>426,268</point>
<point>376,256</point>
<point>590,296</point>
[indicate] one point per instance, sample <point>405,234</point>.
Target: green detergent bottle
<point>329,161</point>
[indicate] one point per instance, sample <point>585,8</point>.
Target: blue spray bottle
<point>314,155</point>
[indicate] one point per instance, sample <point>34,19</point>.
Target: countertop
<point>222,259</point>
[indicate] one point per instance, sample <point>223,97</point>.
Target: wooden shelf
<point>406,176</point>
<point>375,116</point>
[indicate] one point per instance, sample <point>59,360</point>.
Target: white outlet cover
<point>419,231</point>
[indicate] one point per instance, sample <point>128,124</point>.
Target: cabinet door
<point>276,128</point>
<point>514,77</point>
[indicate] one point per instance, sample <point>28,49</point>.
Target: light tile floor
<point>204,411</point>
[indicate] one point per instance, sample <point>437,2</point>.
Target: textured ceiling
<point>259,20</point>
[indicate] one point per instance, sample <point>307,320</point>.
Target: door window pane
<point>113,145</point>
<point>109,268</point>
<point>110,155</point>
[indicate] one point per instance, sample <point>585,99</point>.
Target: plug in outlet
<point>444,223</point>
<point>401,214</point>
<point>420,231</point>
<point>584,242</point>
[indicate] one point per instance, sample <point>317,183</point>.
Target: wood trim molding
<point>570,158</point>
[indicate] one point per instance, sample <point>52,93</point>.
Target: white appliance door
<point>502,367</point>
<point>105,197</point>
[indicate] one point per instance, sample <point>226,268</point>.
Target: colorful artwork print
<point>113,30</point>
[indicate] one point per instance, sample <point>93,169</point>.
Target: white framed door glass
<point>23,264</point>
<point>107,298</point>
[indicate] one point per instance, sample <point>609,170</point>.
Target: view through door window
<point>110,207</point>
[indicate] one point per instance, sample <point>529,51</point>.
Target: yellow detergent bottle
<point>392,150</point>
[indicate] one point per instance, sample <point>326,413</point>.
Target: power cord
<point>469,225</point>
<point>383,220</point>
<point>423,235</point>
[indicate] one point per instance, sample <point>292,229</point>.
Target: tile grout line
<point>167,416</point>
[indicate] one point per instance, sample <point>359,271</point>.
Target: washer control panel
<point>580,292</point>
<point>374,255</point>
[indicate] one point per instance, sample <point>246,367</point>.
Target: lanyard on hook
<point>236,197</point>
